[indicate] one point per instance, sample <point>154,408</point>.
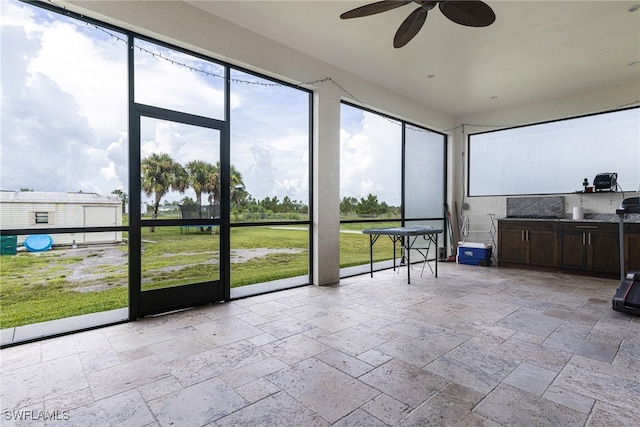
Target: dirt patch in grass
<point>93,261</point>
<point>97,263</point>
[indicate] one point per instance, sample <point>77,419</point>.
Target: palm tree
<point>214,185</point>
<point>235,183</point>
<point>200,179</point>
<point>238,193</point>
<point>160,174</point>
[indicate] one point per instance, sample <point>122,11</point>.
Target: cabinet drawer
<point>589,227</point>
<point>590,246</point>
<point>528,225</point>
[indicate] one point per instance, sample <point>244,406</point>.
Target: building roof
<point>56,197</point>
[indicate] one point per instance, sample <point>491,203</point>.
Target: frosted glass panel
<point>424,173</point>
<point>556,157</point>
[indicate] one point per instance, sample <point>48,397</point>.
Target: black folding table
<point>407,236</point>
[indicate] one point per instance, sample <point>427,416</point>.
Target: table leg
<point>408,251</point>
<point>436,247</point>
<point>394,252</point>
<point>371,254</point>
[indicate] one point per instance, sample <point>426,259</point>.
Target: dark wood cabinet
<point>528,242</point>
<point>511,243</point>
<point>590,246</point>
<point>632,247</point>
<point>586,246</point>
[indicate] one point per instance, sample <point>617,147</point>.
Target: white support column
<point>326,186</point>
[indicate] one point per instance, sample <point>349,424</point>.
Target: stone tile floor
<point>474,347</point>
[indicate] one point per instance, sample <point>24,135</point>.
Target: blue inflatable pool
<point>38,242</point>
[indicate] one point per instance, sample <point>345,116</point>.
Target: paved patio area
<point>474,347</point>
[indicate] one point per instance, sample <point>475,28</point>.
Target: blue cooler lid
<point>38,242</point>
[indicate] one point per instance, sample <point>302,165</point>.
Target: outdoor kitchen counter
<point>589,245</point>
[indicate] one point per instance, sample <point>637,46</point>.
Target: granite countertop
<point>553,209</point>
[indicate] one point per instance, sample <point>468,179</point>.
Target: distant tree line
<point>350,206</point>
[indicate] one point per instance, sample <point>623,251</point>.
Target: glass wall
<point>392,173</point>
<point>64,166</point>
<point>270,161</point>
<point>68,153</point>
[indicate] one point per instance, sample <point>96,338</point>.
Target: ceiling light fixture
<point>634,8</point>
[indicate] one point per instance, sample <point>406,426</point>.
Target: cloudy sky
<point>370,156</point>
<point>60,130</point>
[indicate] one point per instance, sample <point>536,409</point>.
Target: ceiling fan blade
<point>410,27</point>
<point>373,8</point>
<point>469,13</point>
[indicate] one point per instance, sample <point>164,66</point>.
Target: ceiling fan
<point>469,13</point>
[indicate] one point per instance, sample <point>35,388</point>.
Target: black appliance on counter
<point>627,297</point>
<point>607,181</point>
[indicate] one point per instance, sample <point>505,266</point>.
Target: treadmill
<point>627,297</point>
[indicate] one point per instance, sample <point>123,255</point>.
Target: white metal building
<point>39,209</point>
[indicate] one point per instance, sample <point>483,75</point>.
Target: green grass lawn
<point>354,246</point>
<point>36,287</point>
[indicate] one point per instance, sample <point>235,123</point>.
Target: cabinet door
<point>543,246</point>
<point>603,249</point>
<point>591,247</point>
<point>573,249</point>
<point>632,247</point>
<point>511,244</point>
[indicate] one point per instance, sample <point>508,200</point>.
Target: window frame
<point>402,218</point>
<point>469,166</point>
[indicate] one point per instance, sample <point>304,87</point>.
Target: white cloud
<point>370,161</point>
<point>181,88</point>
<point>91,69</point>
<point>53,139</point>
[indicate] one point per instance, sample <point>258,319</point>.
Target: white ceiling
<point>535,50</point>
